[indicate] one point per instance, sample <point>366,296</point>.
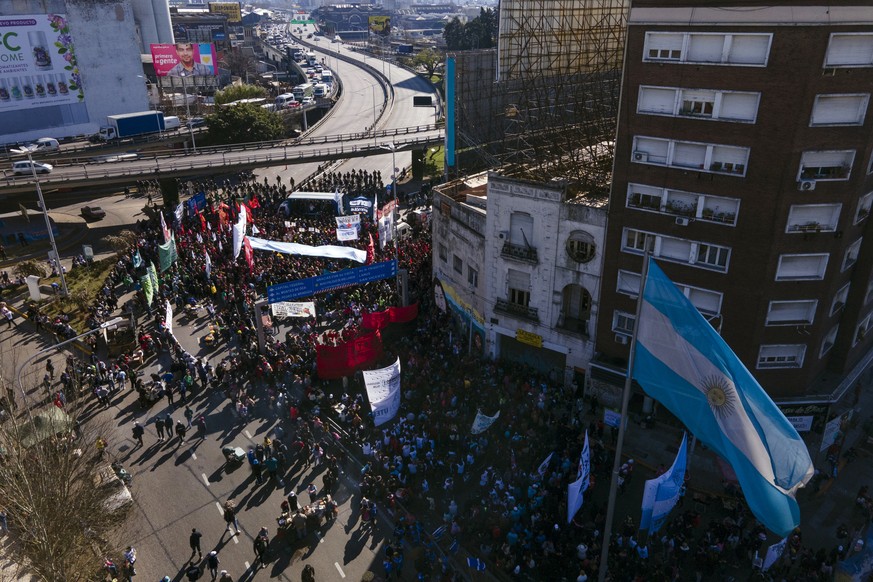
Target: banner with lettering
<point>344,234</point>
<point>291,309</point>
<point>383,391</point>
<point>346,358</point>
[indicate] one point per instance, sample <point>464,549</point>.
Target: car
<point>93,213</point>
<point>196,122</point>
<point>45,144</point>
<point>26,168</point>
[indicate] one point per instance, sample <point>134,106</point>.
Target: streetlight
<point>188,113</point>
<point>373,87</point>
<point>105,325</point>
<point>28,150</point>
<point>392,147</point>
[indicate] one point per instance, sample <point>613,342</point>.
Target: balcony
<point>521,253</point>
<point>515,310</point>
<point>573,326</point>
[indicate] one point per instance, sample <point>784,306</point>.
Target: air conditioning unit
<point>682,221</point>
<point>806,185</point>
<point>503,235</point>
<point>621,339</point>
<point>641,157</point>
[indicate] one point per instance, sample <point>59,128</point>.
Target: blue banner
<point>195,203</point>
<point>313,285</point>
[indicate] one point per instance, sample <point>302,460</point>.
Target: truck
<point>302,91</point>
<point>321,90</point>
<point>130,125</point>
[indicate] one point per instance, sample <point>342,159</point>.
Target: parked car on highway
<point>93,213</point>
<point>26,167</point>
<point>196,122</point>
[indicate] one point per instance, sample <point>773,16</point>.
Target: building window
<point>851,256</point>
<point>677,250</point>
<point>719,159</point>
<point>849,50</point>
<point>521,230</point>
<point>457,264</point>
<point>713,256</point>
<point>518,283</point>
<point>864,204</point>
<point>827,165</point>
<point>581,246</point>
<point>839,300</point>
<point>791,312</point>
<point>707,302</point>
<point>444,253</point>
<point>688,204</point>
<point>472,276</point>
<point>813,217</point>
<point>623,322</point>
<point>839,109</point>
<point>628,283</point>
<point>698,103</point>
<point>828,342</point>
<point>708,48</point>
<point>862,330</point>
<point>801,267</point>
<point>781,356</point>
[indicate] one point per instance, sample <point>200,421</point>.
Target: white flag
<point>168,317</point>
<point>208,264</point>
<point>578,487</point>
<point>239,231</point>
<point>544,466</point>
<point>482,422</point>
<point>661,494</point>
<point>774,552</point>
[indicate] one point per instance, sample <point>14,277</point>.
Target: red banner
<point>346,358</point>
<point>380,319</point>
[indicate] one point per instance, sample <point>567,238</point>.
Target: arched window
<point>581,246</point>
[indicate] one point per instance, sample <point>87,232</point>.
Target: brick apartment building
<point>743,163</point>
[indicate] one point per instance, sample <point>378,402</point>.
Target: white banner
<point>291,309</point>
<point>482,422</point>
<point>330,251</point>
<point>168,317</point>
<point>344,234</point>
<point>386,224</point>
<point>352,221</point>
<point>578,487</point>
<point>239,231</point>
<point>774,552</point>
<point>383,391</point>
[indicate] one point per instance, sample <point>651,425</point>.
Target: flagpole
<point>625,399</point>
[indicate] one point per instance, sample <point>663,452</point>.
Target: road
<point>177,488</point>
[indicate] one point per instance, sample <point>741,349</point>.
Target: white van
<point>24,168</point>
<point>46,144</point>
<point>171,122</point>
<point>321,90</point>
<point>284,100</point>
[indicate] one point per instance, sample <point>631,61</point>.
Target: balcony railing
<point>519,252</point>
<point>515,310</point>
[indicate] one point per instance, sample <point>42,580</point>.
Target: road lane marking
<point>205,479</point>
<point>340,570</point>
<point>220,509</point>
<point>194,456</point>
<point>236,541</point>
<point>249,436</point>
<point>247,565</point>
<point>320,539</point>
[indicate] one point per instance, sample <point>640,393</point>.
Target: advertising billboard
<point>229,9</point>
<point>184,59</point>
<point>380,25</point>
<point>38,64</point>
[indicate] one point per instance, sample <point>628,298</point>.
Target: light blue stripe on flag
<point>684,364</point>
<point>661,494</point>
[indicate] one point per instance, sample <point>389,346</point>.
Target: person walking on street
<point>212,562</point>
<point>194,572</point>
<point>194,541</point>
<point>230,516</point>
<point>189,415</point>
<point>225,577</point>
<point>138,431</point>
<point>201,427</point>
<point>168,389</point>
<point>168,426</point>
<point>181,429</point>
<point>308,573</point>
<point>159,428</point>
<point>260,547</point>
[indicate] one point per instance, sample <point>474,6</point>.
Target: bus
<point>326,76</point>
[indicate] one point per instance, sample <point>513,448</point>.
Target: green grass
<point>83,283</point>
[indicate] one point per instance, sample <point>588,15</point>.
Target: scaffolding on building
<point>544,104</point>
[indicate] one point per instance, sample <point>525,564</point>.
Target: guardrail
<point>189,164</point>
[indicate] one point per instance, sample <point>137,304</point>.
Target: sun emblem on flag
<point>720,395</point>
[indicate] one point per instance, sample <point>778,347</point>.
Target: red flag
<point>202,221</point>
<point>371,251</point>
<point>253,202</point>
<point>249,253</point>
<point>248,213</point>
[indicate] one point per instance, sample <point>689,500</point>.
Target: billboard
<point>184,59</point>
<point>380,25</point>
<point>229,9</point>
<point>38,64</point>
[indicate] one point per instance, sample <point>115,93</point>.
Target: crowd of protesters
<point>484,490</point>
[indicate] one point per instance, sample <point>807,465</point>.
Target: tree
<point>240,62</point>
<point>236,92</point>
<point>121,242</point>
<point>429,59</point>
<point>479,33</point>
<point>245,123</point>
<point>454,35</point>
<point>30,267</point>
<point>57,511</point>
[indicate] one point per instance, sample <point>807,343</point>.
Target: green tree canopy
<point>244,123</point>
<point>233,93</point>
<point>479,33</point>
<point>429,59</point>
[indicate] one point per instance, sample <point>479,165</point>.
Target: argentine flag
<point>685,365</point>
